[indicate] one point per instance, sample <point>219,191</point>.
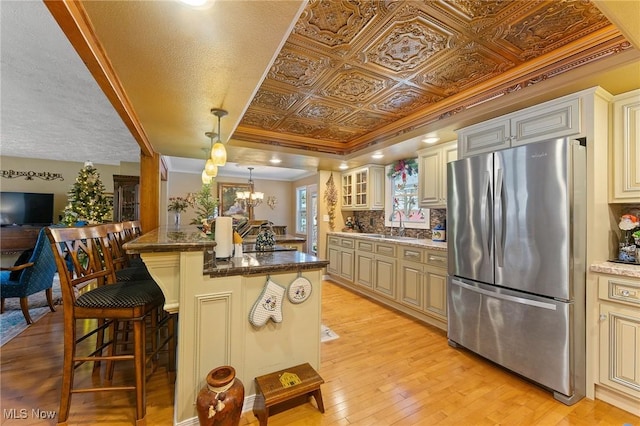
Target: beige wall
<point>179,184</point>
<point>69,171</point>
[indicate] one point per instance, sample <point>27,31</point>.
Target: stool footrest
<point>271,391</point>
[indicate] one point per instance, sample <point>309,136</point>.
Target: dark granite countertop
<point>265,263</point>
<point>170,238</point>
<point>287,238</point>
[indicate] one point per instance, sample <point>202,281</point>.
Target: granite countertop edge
<point>613,268</point>
<point>417,242</point>
<point>265,269</point>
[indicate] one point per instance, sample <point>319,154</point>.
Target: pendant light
<point>218,151</point>
<point>210,167</point>
<point>206,179</point>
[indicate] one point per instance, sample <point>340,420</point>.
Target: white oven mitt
<point>268,305</point>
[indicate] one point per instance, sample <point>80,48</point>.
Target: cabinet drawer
<point>334,241</point>
<point>619,290</point>
<point>386,249</point>
<point>436,259</point>
<point>347,243</point>
<point>365,246</point>
<point>412,254</point>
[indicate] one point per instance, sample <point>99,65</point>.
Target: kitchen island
<point>214,300</point>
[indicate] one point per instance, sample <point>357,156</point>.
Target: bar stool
<point>82,256</point>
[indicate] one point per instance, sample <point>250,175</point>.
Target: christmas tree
<point>87,201</point>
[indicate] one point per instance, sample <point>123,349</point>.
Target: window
<point>301,210</point>
<point>402,202</point>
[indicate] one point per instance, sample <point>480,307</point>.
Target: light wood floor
<point>385,369</point>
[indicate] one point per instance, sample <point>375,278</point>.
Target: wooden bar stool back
<point>83,257</point>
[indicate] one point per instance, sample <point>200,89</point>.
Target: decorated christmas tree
<point>87,200</point>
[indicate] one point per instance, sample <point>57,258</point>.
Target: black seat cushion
<point>133,273</point>
<point>122,295</point>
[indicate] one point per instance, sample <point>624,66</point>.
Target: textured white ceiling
<point>51,107</point>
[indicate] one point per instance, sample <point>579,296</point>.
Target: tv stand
<point>16,239</point>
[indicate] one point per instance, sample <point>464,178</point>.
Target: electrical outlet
<point>325,218</point>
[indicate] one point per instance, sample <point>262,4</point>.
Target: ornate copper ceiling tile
<point>300,127</point>
<point>354,86</point>
<point>333,22</point>
<point>407,45</point>
<point>554,25</point>
<point>297,69</point>
<point>405,99</point>
<point>366,120</point>
<point>267,98</point>
<point>260,120</point>
<point>339,134</point>
<point>323,111</point>
<point>463,69</point>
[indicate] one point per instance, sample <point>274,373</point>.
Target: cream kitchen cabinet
<point>432,171</point>
<point>376,267</point>
<point>554,119</point>
<point>340,253</point>
<point>405,275</point>
<point>619,334</point>
<point>365,263</point>
<point>363,188</point>
<point>384,272</point>
<point>422,281</point>
<point>625,149</point>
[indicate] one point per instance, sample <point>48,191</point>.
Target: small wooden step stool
<point>285,385</point>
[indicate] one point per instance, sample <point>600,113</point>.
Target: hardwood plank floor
<point>385,369</point>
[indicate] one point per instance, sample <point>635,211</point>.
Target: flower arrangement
<point>179,204</point>
<point>331,198</point>
<point>403,168</point>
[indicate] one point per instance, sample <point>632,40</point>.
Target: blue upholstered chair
<point>34,276</point>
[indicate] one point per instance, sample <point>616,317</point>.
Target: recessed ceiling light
<point>194,3</point>
<point>275,161</point>
<point>377,155</point>
<point>430,140</point>
<point>343,166</point>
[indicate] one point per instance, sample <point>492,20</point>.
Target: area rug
<point>326,334</point>
<point>12,321</point>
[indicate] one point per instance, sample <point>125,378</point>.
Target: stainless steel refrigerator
<point>516,225</point>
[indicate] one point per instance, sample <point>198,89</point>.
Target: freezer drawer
<point>527,334</point>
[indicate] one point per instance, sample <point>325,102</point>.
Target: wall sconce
<point>272,201</point>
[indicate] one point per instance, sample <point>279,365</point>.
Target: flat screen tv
<point>26,208</point>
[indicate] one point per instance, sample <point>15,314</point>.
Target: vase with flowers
<point>178,205</point>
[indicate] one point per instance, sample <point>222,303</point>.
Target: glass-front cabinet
<point>126,198</point>
<point>363,188</point>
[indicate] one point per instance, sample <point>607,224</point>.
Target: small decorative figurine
<point>628,246</point>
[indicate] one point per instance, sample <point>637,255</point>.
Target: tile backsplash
<point>373,222</point>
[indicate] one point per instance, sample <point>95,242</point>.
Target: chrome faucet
<point>400,225</point>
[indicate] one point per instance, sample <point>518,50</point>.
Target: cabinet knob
<point>603,317</point>
<point>625,293</point>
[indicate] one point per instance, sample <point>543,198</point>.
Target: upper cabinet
<point>553,119</point>
<point>432,170</point>
<point>625,149</point>
<point>363,188</point>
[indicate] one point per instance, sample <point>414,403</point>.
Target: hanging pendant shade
<point>218,150</point>
<point>219,154</point>
<point>210,168</point>
<point>206,179</point>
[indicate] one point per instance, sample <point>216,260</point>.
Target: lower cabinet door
<point>620,348</point>
<point>410,285</point>
<point>385,276</point>
<point>364,269</point>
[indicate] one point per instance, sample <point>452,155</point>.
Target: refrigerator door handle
<point>484,213</point>
<point>497,295</point>
<point>497,208</point>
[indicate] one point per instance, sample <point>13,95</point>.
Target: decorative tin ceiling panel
<point>350,68</point>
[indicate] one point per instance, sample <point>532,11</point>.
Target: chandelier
<point>218,151</point>
<point>250,198</point>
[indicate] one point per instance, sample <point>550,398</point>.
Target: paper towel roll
<point>224,236</point>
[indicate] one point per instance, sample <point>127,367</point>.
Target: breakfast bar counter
<point>216,299</point>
